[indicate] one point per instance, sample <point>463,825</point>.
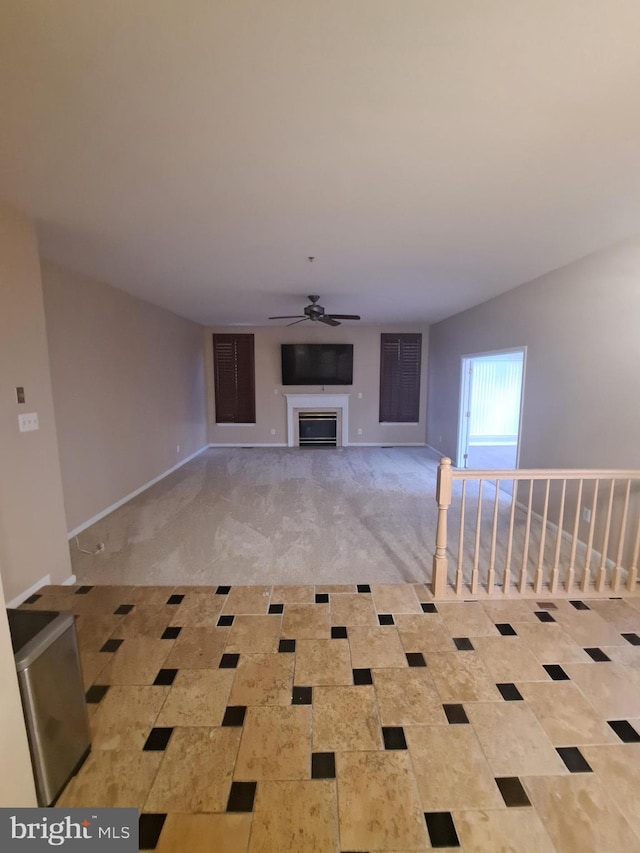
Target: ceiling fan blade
<point>345,316</point>
<point>296,322</point>
<point>287,317</point>
<point>329,321</point>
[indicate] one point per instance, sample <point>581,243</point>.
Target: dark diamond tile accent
<point>415,659</point>
<point>634,639</point>
<point>276,608</point>
<point>362,676</point>
<point>302,696</point>
<point>158,740</point>
<point>393,737</point>
<point>234,715</point>
<point>171,633</point>
<point>579,605</point>
<point>510,692</point>
<point>323,765</point>
<point>386,619</point>
<point>241,797</point>
<point>547,605</point>
<point>32,599</point>
<point>223,590</point>
<point>225,621</point>
<point>555,672</point>
<point>83,590</point>
<point>228,661</point>
<point>512,791</point>
<point>574,759</point>
<point>339,633</point>
<point>165,678</point>
<point>287,646</point>
<point>624,730</point>
<point>175,599</point>
<point>123,609</point>
<point>463,644</point>
<point>456,715</point>
<point>441,829</point>
<point>506,630</point>
<point>598,655</point>
<point>96,693</point>
<point>428,607</point>
<point>112,645</point>
<point>364,587</point>
<point>543,616</point>
<point>322,598</point>
<point>149,829</point>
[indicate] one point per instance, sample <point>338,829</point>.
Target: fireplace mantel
<point>296,402</point>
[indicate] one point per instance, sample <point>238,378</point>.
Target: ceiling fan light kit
<point>316,313</point>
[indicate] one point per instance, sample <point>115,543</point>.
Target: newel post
<point>443,498</point>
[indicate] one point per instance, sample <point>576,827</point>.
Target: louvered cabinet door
<point>234,379</point>
<point>400,357</point>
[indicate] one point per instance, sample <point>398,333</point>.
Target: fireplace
<point>318,429</point>
<point>335,406</point>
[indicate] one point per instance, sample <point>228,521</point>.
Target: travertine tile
<point>309,821</point>
<point>306,622</point>
<point>197,648</point>
<point>345,718</point>
<point>453,756</point>
<point>149,595</point>
<point>356,609</point>
<point>125,716</point>
<point>92,664</point>
<point>197,610</point>
<point>511,610</point>
<point>198,697</point>
<point>513,830</point>
<point>461,677</point>
<point>336,588</point>
<point>376,647</point>
<point>422,592</point>
<point>205,833</point>
<point>145,621</point>
<point>254,634</point>
<point>508,659</point>
<point>565,715</point>
<point>247,599</point>
<point>426,633</point>
<point>618,769</point>
<point>619,614</point>
<point>513,740</point>
<point>276,744</point>
<point>549,643</point>
<point>93,631</point>
<point>395,598</point>
<point>612,688</point>
<point>196,771</point>
<point>407,697</point>
<point>467,619</point>
<point>263,680</point>
<point>136,662</point>
<point>579,815</point>
<point>112,779</point>
<point>378,802</point>
<point>588,628</point>
<point>323,662</point>
<point>292,595</point>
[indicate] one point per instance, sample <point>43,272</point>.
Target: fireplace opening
<point>318,429</point>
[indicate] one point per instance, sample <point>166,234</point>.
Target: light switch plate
<point>28,422</point>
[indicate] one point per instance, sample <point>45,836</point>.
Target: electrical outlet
<point>29,422</point>
<point>359,430</point>
<point>359,395</point>
<point>586,514</point>
<point>177,448</point>
<point>273,432</point>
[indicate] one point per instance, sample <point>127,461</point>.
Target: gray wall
<point>581,327</point>
<point>128,386</point>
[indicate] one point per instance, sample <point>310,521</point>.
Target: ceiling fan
<point>317,314</point>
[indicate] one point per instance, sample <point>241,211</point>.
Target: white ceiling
<point>429,153</point>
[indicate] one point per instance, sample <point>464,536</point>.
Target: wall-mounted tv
<point>317,364</point>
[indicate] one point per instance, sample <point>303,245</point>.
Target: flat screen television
<point>317,364</point>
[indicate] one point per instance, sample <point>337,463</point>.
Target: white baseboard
<point>131,495</point>
<point>17,601</point>
<point>386,444</point>
<point>69,581</point>
<point>248,444</point>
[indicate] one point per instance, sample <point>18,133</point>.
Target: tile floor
<point>344,718</point>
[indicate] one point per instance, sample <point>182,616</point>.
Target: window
<point>400,378</point>
<point>234,379</point>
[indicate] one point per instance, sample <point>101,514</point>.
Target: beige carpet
<point>291,516</point>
